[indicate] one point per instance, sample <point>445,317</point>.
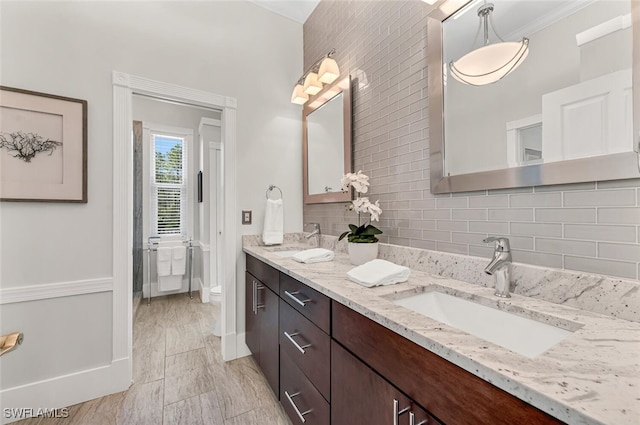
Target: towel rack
<point>152,245</point>
<point>271,188</point>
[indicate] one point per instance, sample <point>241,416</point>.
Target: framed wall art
<point>43,147</point>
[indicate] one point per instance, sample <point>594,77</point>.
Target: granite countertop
<point>591,377</point>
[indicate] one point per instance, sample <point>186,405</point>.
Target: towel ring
<point>270,189</point>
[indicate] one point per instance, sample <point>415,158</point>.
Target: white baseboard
<point>66,390</point>
<point>204,291</point>
<point>241,349</point>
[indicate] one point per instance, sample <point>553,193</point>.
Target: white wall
<point>70,48</point>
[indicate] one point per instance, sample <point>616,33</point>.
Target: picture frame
<point>43,147</point>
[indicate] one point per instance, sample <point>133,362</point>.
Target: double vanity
<point>433,350</point>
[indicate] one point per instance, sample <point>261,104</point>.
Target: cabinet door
<point>361,396</point>
<point>252,334</point>
<point>269,341</point>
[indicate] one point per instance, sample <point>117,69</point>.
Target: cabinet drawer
<point>311,303</point>
<point>307,346</point>
<point>264,272</point>
<point>299,397</point>
<point>449,392</point>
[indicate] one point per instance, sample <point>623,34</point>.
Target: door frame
<point>124,86</point>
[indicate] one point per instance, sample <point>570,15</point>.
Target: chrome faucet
<point>500,266</point>
<point>316,232</point>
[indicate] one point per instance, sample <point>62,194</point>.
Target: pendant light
<point>299,97</point>
<point>491,62</point>
<point>329,71</point>
<point>311,84</point>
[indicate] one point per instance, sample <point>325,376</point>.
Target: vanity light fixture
<point>323,71</point>
<point>491,62</point>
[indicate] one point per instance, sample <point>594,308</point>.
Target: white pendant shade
<point>489,63</point>
<point>329,71</point>
<point>299,97</point>
<point>311,84</point>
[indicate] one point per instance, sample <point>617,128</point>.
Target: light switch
<point>246,217</point>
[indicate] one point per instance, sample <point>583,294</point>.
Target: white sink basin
<point>520,334</point>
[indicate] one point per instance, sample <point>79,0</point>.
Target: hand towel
<point>178,260</point>
<point>313,255</point>
<point>163,260</point>
<point>378,272</point>
<point>273,232</point>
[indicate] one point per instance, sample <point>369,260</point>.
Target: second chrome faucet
<point>500,265</point>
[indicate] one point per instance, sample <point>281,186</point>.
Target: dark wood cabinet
<point>262,321</point>
<point>447,391</point>
<point>307,345</point>
<point>361,396</point>
<point>300,399</point>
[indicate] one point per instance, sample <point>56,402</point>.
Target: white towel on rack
<point>163,260</point>
<point>273,232</point>
<point>178,260</point>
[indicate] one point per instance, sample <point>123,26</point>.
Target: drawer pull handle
<point>300,415</point>
<point>397,412</point>
<point>293,341</point>
<point>292,295</point>
<point>256,287</point>
<point>412,420</point>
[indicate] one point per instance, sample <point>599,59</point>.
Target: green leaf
<point>353,228</point>
<point>343,235</point>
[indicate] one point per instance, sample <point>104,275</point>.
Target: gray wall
<point>592,227</point>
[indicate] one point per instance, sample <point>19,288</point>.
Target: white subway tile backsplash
<point>617,251</point>
<point>536,229</point>
<point>387,42</point>
<point>451,202</point>
<point>492,201</point>
<point>600,232</point>
<point>490,227</point>
<point>552,199</point>
<point>619,215</point>
<point>454,225</point>
<point>470,214</point>
<point>511,214</point>
<point>596,265</point>
<point>435,235</point>
<point>566,246</point>
<point>537,258</point>
<point>565,215</point>
<point>620,197</point>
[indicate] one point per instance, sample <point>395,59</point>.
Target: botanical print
<point>26,145</point>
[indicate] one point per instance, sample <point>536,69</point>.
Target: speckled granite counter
<point>592,377</point>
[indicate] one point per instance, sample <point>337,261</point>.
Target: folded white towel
<point>378,272</point>
<point>273,232</point>
<point>178,260</point>
<point>313,255</point>
<point>163,260</point>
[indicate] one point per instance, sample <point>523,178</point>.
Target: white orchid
<point>365,233</point>
<point>359,181</point>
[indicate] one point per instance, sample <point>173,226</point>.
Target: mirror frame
<point>328,92</point>
<point>605,167</point>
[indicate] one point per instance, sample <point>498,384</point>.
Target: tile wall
<point>592,227</point>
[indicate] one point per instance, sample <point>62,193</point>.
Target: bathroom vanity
<point>337,353</point>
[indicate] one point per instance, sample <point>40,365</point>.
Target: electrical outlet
<point>246,216</point>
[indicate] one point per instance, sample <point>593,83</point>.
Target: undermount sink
<point>520,334</point>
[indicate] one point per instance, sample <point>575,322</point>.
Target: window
<point>168,185</point>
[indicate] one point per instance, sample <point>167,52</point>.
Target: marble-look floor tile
<point>274,415</point>
<point>148,359</point>
<point>199,410</point>
<point>142,405</point>
<point>182,338</point>
<point>100,411</point>
<point>187,375</point>
<point>242,387</point>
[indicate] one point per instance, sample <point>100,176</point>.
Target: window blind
<point>168,185</point>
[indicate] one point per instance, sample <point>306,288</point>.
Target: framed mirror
<point>326,136</point>
<point>564,115</point>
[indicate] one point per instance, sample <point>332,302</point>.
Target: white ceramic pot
<point>360,253</point>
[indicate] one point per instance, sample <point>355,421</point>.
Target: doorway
<point>124,88</point>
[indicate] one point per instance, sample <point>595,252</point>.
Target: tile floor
<point>179,376</point>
